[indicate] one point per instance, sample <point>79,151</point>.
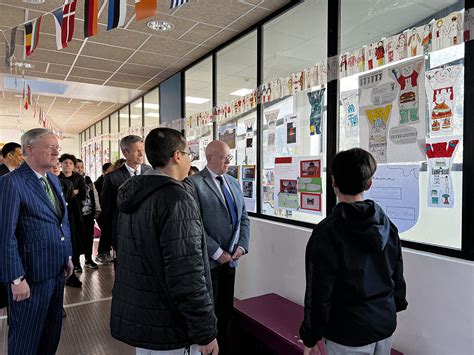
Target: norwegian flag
<point>64,20</point>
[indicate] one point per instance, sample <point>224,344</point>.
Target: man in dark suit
<point>12,157</point>
<point>106,168</point>
<point>35,247</point>
<point>133,149</point>
<point>228,230</point>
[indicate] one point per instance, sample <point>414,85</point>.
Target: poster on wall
<point>292,126</point>
<point>440,84</point>
<point>227,134</point>
<point>248,178</point>
<point>194,148</point>
<point>249,125</point>
<point>391,105</point>
<point>447,31</point>
<point>271,118</point>
<point>396,188</point>
<point>439,157</point>
<point>350,105</point>
<point>298,184</point>
<point>316,101</point>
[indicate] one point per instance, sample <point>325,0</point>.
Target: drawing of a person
<point>413,41</point>
<point>468,25</point>
<point>370,59</point>
<point>454,30</point>
<point>438,30</point>
<point>343,65</point>
<point>361,60</point>
<point>402,46</point>
<point>390,53</point>
<point>407,78</point>
<point>426,38</point>
<point>380,53</point>
<point>434,197</point>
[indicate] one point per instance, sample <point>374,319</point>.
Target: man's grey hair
<point>32,136</point>
<point>126,142</point>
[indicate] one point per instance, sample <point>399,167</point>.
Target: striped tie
<point>49,192</point>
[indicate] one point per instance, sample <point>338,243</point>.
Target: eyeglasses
<point>227,157</point>
<point>192,155</point>
<point>51,147</point>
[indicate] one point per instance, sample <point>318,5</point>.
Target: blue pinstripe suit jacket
<point>34,240</point>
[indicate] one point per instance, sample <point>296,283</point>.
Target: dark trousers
<point>105,241</point>
<point>223,280</point>
<point>35,324</point>
<point>88,236</point>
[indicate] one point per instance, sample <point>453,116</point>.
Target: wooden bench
<point>273,321</point>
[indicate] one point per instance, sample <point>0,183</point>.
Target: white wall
<point>440,290</point>
<point>70,144</point>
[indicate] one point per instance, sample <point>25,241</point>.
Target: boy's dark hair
<point>79,161</point>
<point>67,156</point>
<point>161,143</point>
<point>9,148</point>
<point>106,166</point>
<point>352,169</point>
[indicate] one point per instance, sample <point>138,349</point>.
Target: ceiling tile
<point>39,67</point>
<point>119,37</point>
<point>218,13</point>
<point>44,55</point>
<point>106,52</point>
<point>122,85</point>
<point>250,19</point>
<point>139,70</point>
<point>274,4</point>
<point>89,73</point>
<point>58,69</point>
<point>151,59</point>
<point>181,26</point>
<point>85,80</point>
<point>132,79</point>
<point>19,35</point>
<point>96,63</point>
<point>198,52</point>
<point>9,15</point>
<point>49,42</point>
<point>166,45</point>
<point>200,33</point>
<point>220,38</point>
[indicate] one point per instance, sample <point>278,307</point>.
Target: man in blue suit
<point>228,230</point>
<point>35,247</point>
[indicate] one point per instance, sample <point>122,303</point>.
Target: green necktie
<point>49,192</point>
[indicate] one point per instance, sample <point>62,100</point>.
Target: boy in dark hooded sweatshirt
<point>354,268</point>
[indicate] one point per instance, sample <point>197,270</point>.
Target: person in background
<point>12,155</point>
<point>35,247</point>
<point>90,211</point>
<point>1,156</point>
<point>162,302</point>
<point>354,268</point>
<point>193,170</point>
<point>68,163</point>
<point>228,230</point>
<point>132,148</point>
<point>118,164</point>
<point>106,168</point>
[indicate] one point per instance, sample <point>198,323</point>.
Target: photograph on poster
<point>310,168</point>
<point>227,135</point>
<point>194,148</point>
<point>288,201</point>
<point>310,201</point>
<point>248,172</point>
<point>233,171</point>
<point>249,143</point>
<point>247,188</point>
<point>268,177</point>
<point>291,133</point>
<point>288,186</point>
<point>313,185</point>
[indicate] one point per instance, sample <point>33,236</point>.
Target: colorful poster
<point>396,188</point>
<point>233,171</point>
<point>194,148</point>
<point>227,134</point>
<point>392,106</point>
<point>310,202</point>
<point>292,124</point>
<point>447,31</point>
<point>414,46</point>
<point>316,101</point>
<point>440,188</point>
<point>248,179</point>
<point>350,104</point>
<point>249,124</point>
<point>271,118</point>
<point>440,83</point>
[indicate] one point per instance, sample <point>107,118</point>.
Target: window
<point>198,109</point>
<point>136,115</point>
<point>237,122</point>
<point>152,112</point>
<point>294,161</point>
<point>402,76</point>
<point>114,138</point>
<point>106,140</point>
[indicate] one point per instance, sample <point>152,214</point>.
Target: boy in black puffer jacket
<point>354,268</point>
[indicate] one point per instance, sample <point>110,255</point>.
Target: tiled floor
<point>86,329</point>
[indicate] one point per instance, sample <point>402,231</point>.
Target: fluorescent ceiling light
<point>160,26</point>
<point>241,92</point>
<point>148,105</point>
<point>196,100</point>
<point>152,114</point>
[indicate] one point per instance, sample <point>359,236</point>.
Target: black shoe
<point>102,259</point>
<point>64,313</point>
<point>73,281</point>
<point>90,265</point>
<point>78,269</point>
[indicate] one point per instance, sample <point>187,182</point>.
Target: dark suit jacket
<point>215,216</point>
<point>35,240</point>
<point>99,183</point>
<point>4,169</point>
<point>108,201</point>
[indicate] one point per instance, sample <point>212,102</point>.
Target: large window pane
<point>294,148</point>
<point>114,138</point>
<point>152,112</point>
<point>136,118</point>
<point>406,112</point>
<point>198,86</point>
<point>124,121</point>
<point>236,77</point>
<point>106,140</point>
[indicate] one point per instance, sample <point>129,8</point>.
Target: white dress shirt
<point>132,170</point>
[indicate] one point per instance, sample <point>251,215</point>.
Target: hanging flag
<point>91,8</point>
<point>64,23</point>
<point>145,8</point>
<point>32,30</point>
<point>10,47</point>
<point>117,13</point>
<point>177,3</point>
<point>58,20</point>
<point>27,98</point>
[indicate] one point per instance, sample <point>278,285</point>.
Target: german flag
<point>145,8</point>
<point>32,30</point>
<point>91,8</point>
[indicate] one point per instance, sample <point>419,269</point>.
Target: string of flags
<point>64,19</point>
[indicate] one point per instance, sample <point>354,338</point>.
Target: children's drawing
<point>414,42</point>
<point>427,37</point>
<point>440,88</point>
<point>408,102</point>
<point>351,109</point>
<point>315,99</point>
<point>454,29</point>
<point>439,34</point>
<point>401,46</point>
<point>440,188</point>
<point>378,119</point>
<point>380,53</point>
